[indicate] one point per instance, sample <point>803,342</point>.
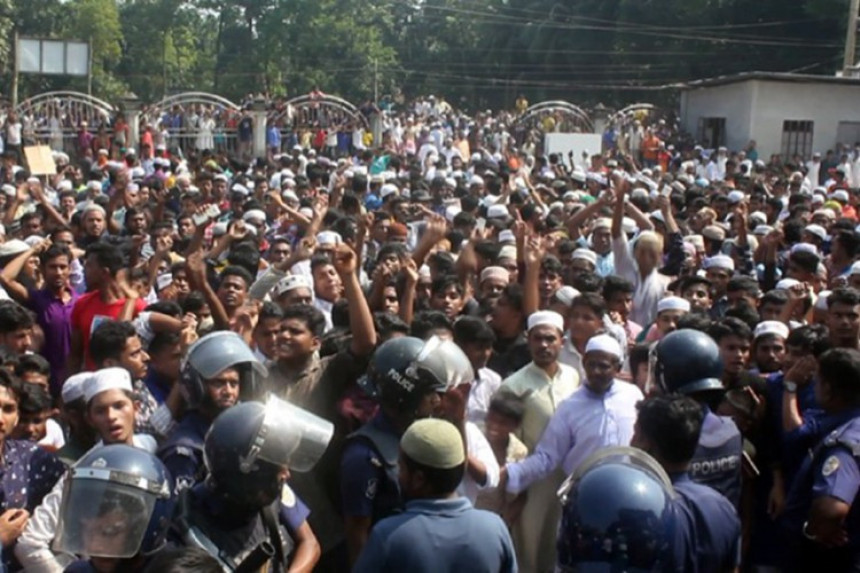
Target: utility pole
<point>15,71</point>
<point>376,76</point>
<point>851,37</point>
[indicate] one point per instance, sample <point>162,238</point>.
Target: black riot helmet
<point>249,445</point>
<point>617,514</point>
<point>688,362</point>
<point>405,369</point>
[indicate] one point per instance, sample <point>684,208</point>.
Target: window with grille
<point>797,138</point>
<point>712,132</point>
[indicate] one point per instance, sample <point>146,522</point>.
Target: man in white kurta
<point>600,414</point>
<point>543,384</point>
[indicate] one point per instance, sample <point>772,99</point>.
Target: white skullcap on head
<point>451,211</point>
<point>762,230</point>
<point>602,223</point>
<point>291,196</point>
<point>840,195</point>
<point>328,238</point>
<point>64,185</point>
<point>476,180</point>
<point>292,282</point>
<point>494,211</point>
<point>736,196</point>
<point>768,327</point>
<point>566,294</point>
<point>787,283</point>
<point>94,207</point>
<point>498,273</point>
<point>546,318</point>
<point>816,230</point>
<point>388,189</point>
<point>106,379</point>
<point>804,247</point>
<point>73,387</point>
<point>254,215</point>
<point>855,269</point>
<point>307,212</point>
<point>584,255</point>
<point>719,262</point>
<point>508,252</point>
<point>604,343</point>
<point>424,272</point>
<point>673,303</point>
<point>507,236</point>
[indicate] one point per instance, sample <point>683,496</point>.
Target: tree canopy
<point>477,53</point>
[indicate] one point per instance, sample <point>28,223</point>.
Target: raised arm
<point>196,268</point>
<point>533,255</point>
<point>360,318</point>
<point>11,271</point>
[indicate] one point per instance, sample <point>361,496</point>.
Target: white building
<point>783,113</point>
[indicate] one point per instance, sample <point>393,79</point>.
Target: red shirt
<point>89,311</point>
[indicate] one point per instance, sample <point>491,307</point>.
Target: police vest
<point>717,461</point>
<point>187,445</point>
<point>248,547</point>
<point>386,449</point>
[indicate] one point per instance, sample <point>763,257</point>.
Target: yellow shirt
<point>542,394</point>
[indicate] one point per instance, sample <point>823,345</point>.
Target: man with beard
<point>219,370</point>
<point>52,304</point>
<point>543,384</point>
<point>493,281</point>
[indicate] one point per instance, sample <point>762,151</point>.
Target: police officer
<point>243,513</point>
<point>218,371</point>
<point>821,520</point>
<point>408,377</point>
<point>617,514</point>
<point>708,531</point>
<point>116,509</point>
<point>688,362</point>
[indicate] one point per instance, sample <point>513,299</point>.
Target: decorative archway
<point>566,118</point>
<point>196,121</point>
<point>643,112</point>
<point>310,111</point>
<point>54,118</point>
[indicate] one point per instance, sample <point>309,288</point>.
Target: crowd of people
<point>435,351</point>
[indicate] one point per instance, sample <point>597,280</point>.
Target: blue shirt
<point>158,386</point>
<point>182,453</point>
<point>28,474</point>
<point>717,460</point>
<point>439,535</point>
<point>707,529</point>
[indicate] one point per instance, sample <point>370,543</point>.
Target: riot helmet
<point>405,369</point>
<point>213,354</point>
<point>687,362</point>
<point>117,503</point>
<point>617,513</point>
<point>248,446</point>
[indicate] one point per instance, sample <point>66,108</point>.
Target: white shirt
<point>479,448</point>
<point>648,291</point>
<point>54,438</point>
<point>583,424</point>
<point>483,388</point>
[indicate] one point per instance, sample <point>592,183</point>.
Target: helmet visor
<point>103,517</point>
<point>618,454</point>
<point>447,361</point>
<point>289,436</point>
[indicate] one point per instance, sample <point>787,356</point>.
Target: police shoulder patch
<point>288,498</point>
<point>830,465</point>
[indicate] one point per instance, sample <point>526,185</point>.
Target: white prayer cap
<point>387,189</point>
<point>292,282</point>
<point>307,212</point>
<point>451,211</point>
<point>34,240</point>
<point>816,230</point>
<point>604,343</point>
<point>328,238</point>
<point>546,318</point>
<point>93,207</point>
<point>290,196</point>
<point>239,188</point>
<point>840,195</point>
<point>507,236</point>
<point>254,215</point>
<point>602,223</point>
<point>114,378</point>
<point>476,180</point>
<point>424,272</point>
<point>220,177</point>
<point>762,230</point>
<point>628,225</point>
<point>497,211</point>
<point>489,200</point>
<point>787,283</point>
<point>578,175</point>
<point>219,229</point>
<point>804,247</point>
<point>64,185</point>
<point>673,303</point>
<point>73,387</point>
<point>508,252</point>
<point>719,262</point>
<point>759,217</point>
<point>736,196</point>
<point>657,215</point>
<point>566,294</point>
<point>855,269</point>
<point>768,327</point>
<point>584,255</point>
<point>499,273</point>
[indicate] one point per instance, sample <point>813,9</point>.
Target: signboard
<point>563,143</point>
<point>53,57</point>
<point>40,160</point>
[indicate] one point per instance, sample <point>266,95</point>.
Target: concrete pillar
<point>258,116</point>
<point>131,109</point>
